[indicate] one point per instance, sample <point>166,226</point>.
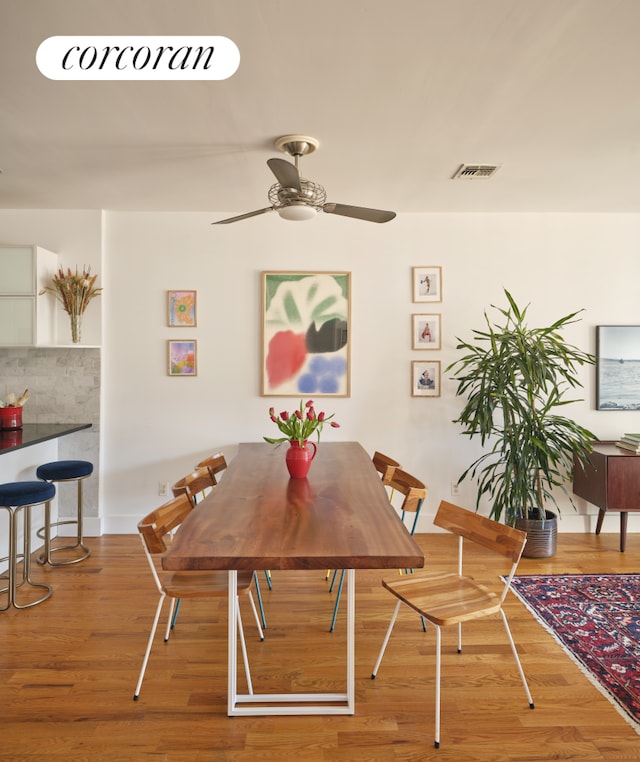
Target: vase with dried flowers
<point>74,291</point>
<point>297,427</point>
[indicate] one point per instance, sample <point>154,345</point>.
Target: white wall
<point>155,428</point>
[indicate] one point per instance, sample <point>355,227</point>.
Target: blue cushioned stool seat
<point>15,494</point>
<point>64,471</point>
<point>16,498</point>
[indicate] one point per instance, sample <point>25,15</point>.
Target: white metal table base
<point>243,704</point>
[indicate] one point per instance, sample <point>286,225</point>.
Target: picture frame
<point>426,331</point>
<point>182,357</point>
<point>425,378</point>
<point>306,330</point>
<point>427,284</point>
<point>617,366</point>
<point>181,309</point>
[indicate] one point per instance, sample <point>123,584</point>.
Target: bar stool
<point>16,497</point>
<point>64,471</point>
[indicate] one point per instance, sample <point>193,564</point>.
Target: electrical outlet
<point>163,489</point>
<point>455,489</point>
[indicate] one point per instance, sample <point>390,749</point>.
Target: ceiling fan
<point>296,198</point>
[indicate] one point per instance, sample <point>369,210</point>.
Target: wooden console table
<point>611,481</point>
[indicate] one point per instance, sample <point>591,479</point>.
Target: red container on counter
<point>10,418</point>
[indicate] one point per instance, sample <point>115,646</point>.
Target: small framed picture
<point>426,331</point>
<point>427,284</point>
<point>181,309</point>
<point>425,378</point>
<point>183,357</point>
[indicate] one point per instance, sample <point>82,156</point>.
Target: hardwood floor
<point>68,669</point>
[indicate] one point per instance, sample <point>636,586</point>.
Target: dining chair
<point>450,598</point>
<point>384,465</point>
<point>196,486</point>
<point>156,530</point>
<point>414,493</point>
<point>215,463</point>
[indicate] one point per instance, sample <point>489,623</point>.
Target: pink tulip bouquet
<point>300,424</point>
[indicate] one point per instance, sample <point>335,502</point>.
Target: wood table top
<point>339,517</point>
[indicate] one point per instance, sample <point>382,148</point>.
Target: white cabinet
<point>25,317</point>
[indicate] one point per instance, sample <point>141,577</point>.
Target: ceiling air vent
<point>475,171</point>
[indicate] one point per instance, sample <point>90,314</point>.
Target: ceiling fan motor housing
<point>310,194</point>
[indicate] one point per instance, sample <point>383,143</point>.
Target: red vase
<point>299,458</point>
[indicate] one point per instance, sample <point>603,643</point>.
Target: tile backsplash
<point>64,387</point>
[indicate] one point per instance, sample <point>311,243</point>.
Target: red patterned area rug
<point>596,619</point>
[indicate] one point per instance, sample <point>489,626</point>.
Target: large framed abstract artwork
<point>618,367</point>
<point>306,334</point>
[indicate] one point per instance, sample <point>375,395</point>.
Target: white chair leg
<point>517,658</point>
<point>438,649</point>
<point>243,645</point>
<point>149,644</point>
<point>255,616</point>
<point>459,637</point>
<point>170,620</point>
<point>386,639</point>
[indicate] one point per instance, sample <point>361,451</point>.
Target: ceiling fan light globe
<point>297,212</point>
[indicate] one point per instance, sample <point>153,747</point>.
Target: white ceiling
<point>398,94</point>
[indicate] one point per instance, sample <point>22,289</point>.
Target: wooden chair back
<point>500,538</point>
<point>385,466</point>
<point>413,489</point>
<point>215,464</point>
<point>197,482</point>
<point>161,523</point>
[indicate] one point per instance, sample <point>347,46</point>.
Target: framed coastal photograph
<point>427,284</point>
<point>425,378</point>
<point>181,309</point>
<point>426,331</point>
<point>183,357</point>
<point>306,343</point>
<point>618,367</point>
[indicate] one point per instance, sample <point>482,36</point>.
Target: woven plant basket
<point>542,535</point>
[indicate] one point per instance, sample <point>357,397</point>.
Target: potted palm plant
<point>515,380</point>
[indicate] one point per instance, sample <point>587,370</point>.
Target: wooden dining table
<point>257,518</point>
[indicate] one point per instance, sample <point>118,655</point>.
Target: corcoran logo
<point>138,57</point>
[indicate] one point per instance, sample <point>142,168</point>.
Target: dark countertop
<point>34,433</point>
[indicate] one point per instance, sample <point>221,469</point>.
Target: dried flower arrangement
<point>74,291</point>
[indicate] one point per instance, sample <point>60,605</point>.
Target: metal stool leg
<point>21,582</point>
<point>46,556</point>
<point>11,561</point>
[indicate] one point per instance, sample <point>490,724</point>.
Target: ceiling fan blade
<point>359,212</point>
<point>286,173</point>
<point>243,216</point>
